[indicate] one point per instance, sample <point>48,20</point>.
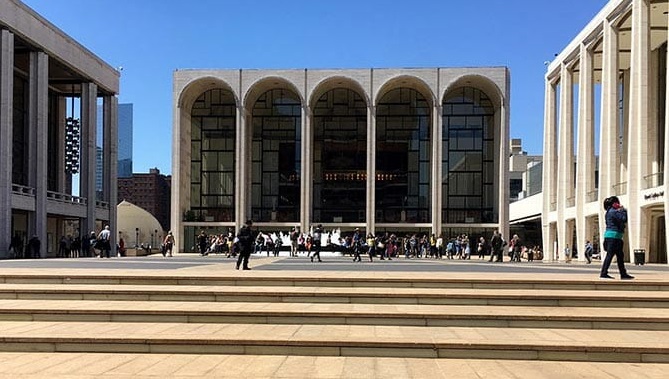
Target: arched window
<point>403,153</point>
<point>275,178</point>
<point>213,156</point>
<point>468,157</point>
<point>340,157</point>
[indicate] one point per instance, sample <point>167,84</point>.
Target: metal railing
<point>23,190</point>
<point>654,180</point>
<point>65,198</point>
<point>620,188</point>
<point>571,201</point>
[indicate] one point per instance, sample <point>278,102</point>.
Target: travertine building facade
<point>606,96</point>
<point>379,149</point>
<point>42,73</point>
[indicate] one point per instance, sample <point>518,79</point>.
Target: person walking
<point>168,244</point>
<point>202,242</point>
<point>588,251</point>
<point>246,241</point>
<point>496,243</point>
<point>105,243</point>
<point>616,220</point>
<point>316,242</point>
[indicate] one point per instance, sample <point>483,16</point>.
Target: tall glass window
<point>213,156</point>
<point>403,153</point>
<point>275,182</point>
<point>20,132</point>
<point>468,157</point>
<point>340,157</point>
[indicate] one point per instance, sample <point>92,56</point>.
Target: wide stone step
<point>338,340</point>
<point>145,366</point>
<point>336,279</point>
<point>358,295</point>
<point>334,314</point>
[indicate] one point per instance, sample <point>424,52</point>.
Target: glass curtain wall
<point>403,152</point>
<point>275,183</point>
<point>340,156</point>
<point>20,132</point>
<point>468,157</point>
<point>213,156</point>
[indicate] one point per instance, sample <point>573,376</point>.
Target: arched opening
<point>403,151</point>
<point>213,134</point>
<point>468,159</point>
<point>275,156</point>
<point>340,156</point>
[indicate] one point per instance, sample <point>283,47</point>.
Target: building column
<point>549,168</point>
<point>565,188</point>
<point>437,153</point>
<point>609,119</point>
<point>306,168</point>
<point>638,161</point>
<point>666,153</point>
<point>371,169</point>
<point>6,136</point>
<point>585,169</point>
<point>240,122</point>
<point>89,93</point>
<point>502,119</point>
<point>38,112</point>
<point>110,166</point>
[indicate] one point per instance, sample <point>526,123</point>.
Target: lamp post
<point>152,241</point>
<point>155,233</point>
<point>136,237</point>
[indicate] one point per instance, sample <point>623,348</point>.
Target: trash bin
<point>639,256</point>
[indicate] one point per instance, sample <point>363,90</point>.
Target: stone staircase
<point>259,315</point>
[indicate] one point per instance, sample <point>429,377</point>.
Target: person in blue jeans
<point>616,219</point>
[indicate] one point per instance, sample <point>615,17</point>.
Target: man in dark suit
<point>246,239</point>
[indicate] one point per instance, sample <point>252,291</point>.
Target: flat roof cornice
<point>36,30</point>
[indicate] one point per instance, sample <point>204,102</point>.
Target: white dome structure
<point>137,226</point>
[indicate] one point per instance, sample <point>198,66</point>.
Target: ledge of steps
<point>335,314</point>
<point>337,279</point>
<point>338,340</point>
<point>145,366</point>
<point>361,295</point>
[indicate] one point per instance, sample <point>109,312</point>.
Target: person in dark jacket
<point>246,240</point>
<point>616,219</point>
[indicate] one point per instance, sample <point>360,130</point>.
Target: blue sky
<point>152,38</point>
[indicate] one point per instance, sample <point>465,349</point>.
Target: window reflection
<point>340,153</point>
<point>213,156</point>
<point>468,157</point>
<point>275,165</point>
<point>403,153</point>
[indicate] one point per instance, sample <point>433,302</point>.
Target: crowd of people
<point>383,246</point>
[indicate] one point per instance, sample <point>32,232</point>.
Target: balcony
<point>654,180</point>
<point>65,198</point>
<point>620,188</point>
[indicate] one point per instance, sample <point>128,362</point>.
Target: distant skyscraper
<point>124,140</point>
<point>124,143</point>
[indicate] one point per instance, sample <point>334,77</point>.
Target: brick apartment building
<point>149,191</point>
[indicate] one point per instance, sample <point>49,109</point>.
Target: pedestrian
<point>105,242</point>
<point>588,251</point>
<point>316,242</point>
<point>168,243</point>
<point>294,235</point>
<point>16,246</point>
<point>92,244</point>
<point>497,243</point>
<point>34,247</point>
<point>616,219</point>
<point>202,242</point>
<point>246,240</point>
